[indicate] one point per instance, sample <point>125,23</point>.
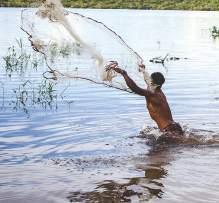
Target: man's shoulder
<point>155,97</point>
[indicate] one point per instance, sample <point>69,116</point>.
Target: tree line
<point>208,5</point>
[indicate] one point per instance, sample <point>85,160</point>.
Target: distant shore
<point>202,5</point>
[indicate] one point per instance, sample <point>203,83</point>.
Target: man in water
<point>157,104</point>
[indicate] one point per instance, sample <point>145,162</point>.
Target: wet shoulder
<point>157,97</point>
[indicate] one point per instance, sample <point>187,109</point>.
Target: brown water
<point>83,145</point>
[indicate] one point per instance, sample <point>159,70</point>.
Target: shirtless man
<point>157,104</point>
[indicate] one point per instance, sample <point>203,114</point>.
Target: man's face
<point>153,85</point>
<point>152,82</point>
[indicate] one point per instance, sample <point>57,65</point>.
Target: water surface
<point>83,146</point>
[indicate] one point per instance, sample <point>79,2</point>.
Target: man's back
<point>159,109</point>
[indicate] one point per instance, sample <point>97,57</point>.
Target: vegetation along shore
<point>208,5</point>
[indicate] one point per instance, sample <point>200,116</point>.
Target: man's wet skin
<point>159,109</point>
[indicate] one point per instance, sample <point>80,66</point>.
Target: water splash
<point>190,137</point>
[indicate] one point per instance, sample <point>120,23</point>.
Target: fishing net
<point>78,47</point>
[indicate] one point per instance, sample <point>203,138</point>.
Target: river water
<point>81,143</point>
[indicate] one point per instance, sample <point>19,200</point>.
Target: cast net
<point>78,47</point>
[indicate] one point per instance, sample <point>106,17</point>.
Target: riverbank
<point>208,5</point>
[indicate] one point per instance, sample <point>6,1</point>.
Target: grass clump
<point>18,59</point>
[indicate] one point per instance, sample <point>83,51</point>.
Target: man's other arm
<point>133,86</point>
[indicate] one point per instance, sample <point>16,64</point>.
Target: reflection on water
<point>135,189</point>
<point>110,191</point>
<point>149,186</point>
<point>65,141</point>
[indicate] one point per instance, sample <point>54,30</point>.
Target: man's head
<point>157,78</point>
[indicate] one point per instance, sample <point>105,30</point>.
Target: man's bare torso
<point>159,109</point>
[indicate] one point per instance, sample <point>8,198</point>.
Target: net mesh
<point>78,47</point>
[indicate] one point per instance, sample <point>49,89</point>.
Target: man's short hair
<point>158,78</point>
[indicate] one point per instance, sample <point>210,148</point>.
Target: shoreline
<point>184,5</point>
<point>141,9</point>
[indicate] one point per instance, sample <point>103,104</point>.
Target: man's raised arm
<point>146,76</point>
<point>130,83</point>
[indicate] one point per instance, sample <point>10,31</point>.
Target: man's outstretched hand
<point>141,67</point>
<point>114,66</point>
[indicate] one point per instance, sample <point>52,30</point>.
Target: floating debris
<point>158,59</point>
<point>166,58</point>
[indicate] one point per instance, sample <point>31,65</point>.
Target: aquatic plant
<point>21,96</point>
<point>2,95</point>
<point>46,94</point>
<point>28,96</point>
<point>65,50</point>
<point>18,59</point>
<point>214,32</point>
